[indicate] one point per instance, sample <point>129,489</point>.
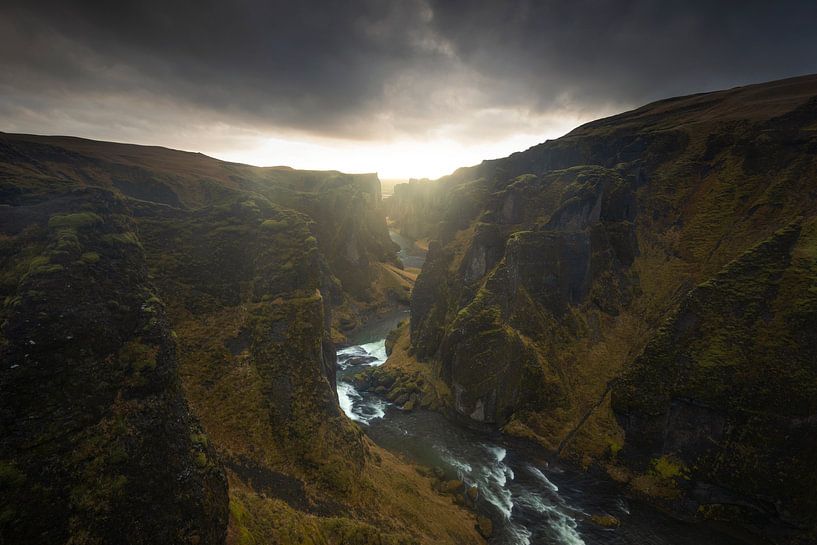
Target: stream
<point>529,500</point>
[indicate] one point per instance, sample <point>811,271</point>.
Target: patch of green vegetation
<point>199,439</point>
<point>127,238</point>
<point>138,356</point>
<point>250,205</point>
<point>232,230</point>
<point>90,257</point>
<point>68,242</point>
<point>39,261</point>
<point>12,300</point>
<point>668,468</point>
<point>275,226</point>
<point>268,520</point>
<point>482,309</point>
<point>42,265</point>
<point>73,221</point>
<point>201,459</point>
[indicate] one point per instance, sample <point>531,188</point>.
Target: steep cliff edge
<point>344,210</point>
<point>551,271</point>
<point>723,394</point>
<point>97,443</point>
<point>144,285</point>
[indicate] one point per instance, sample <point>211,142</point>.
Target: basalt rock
<point>98,445</point>
<point>662,258</point>
<point>142,286</point>
<point>725,386</point>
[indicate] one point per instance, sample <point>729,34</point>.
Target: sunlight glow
<point>396,159</point>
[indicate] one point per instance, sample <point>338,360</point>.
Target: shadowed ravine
<point>529,499</point>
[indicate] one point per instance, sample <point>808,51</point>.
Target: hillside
<point>168,359</point>
<point>637,299</point>
<point>640,296</point>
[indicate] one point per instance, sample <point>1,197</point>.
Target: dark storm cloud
<point>631,51</point>
<point>292,63</point>
<point>365,68</point>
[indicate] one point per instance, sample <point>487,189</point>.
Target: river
<point>529,499</point>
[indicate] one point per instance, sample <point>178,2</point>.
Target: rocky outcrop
<point>251,295</point>
<point>511,282</point>
<point>348,222</point>
<point>97,442</point>
<point>345,210</point>
<point>725,387</point>
<point>142,286</point>
<point>549,272</point>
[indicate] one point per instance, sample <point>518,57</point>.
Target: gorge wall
<point>641,295</point>
<point>638,296</point>
<point>168,361</point>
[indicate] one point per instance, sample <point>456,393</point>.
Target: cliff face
<point>344,210</point>
<point>664,255</point>
<point>725,388</point>
<point>143,286</point>
<point>413,207</point>
<point>97,442</point>
<point>245,284</point>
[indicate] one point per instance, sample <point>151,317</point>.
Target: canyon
<point>196,351</point>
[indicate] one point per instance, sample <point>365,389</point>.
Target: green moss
<point>98,496</point>
<point>668,468</point>
<point>232,230</point>
<point>138,356</point>
<point>245,537</point>
<point>37,262</point>
<point>481,310</point>
<point>275,226</point>
<point>237,510</point>
<point>68,241</point>
<point>42,265</point>
<point>90,257</point>
<point>201,459</point>
<point>127,238</point>
<point>199,439</point>
<point>73,221</point>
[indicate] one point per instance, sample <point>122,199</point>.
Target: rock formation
<point>168,368</point>
<point>663,258</point>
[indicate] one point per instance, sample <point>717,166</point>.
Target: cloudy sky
<point>403,88</point>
